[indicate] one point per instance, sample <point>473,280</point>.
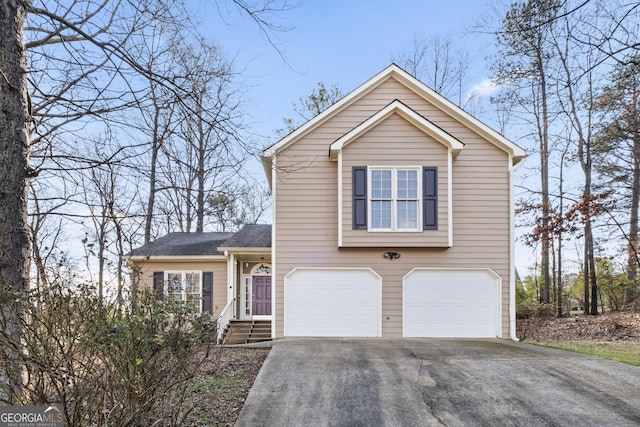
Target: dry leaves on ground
<point>612,326</point>
<point>223,386</point>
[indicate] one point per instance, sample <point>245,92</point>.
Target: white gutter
<point>177,258</point>
<point>512,251</point>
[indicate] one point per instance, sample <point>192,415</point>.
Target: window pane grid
<point>395,204</point>
<point>185,287</point>
<point>381,214</point>
<point>407,214</point>
<point>381,184</point>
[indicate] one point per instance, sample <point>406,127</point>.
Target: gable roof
<point>397,107</point>
<point>214,244</point>
<point>249,236</point>
<point>183,244</point>
<point>422,90</point>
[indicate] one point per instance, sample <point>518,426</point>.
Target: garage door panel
<point>450,303</point>
<point>332,303</point>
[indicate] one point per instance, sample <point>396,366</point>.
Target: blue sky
<point>343,42</point>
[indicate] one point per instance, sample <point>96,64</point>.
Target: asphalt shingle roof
<point>184,244</point>
<point>181,244</point>
<point>250,236</point>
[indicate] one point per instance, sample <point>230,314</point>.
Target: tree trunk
<point>155,149</point>
<point>560,211</point>
<point>592,272</point>
<point>586,275</point>
<point>544,172</point>
<point>200,174</point>
<point>632,260</point>
<point>14,167</point>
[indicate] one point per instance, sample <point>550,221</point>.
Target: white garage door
<point>451,303</point>
<point>332,303</point>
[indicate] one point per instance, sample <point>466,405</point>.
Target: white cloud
<point>485,88</point>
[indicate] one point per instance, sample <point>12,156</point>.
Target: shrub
<point>106,364</point>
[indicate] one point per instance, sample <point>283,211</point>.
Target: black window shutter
<point>429,198</point>
<point>359,182</point>
<point>158,283</point>
<point>207,292</point>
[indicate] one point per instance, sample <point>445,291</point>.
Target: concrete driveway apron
<point>432,382</point>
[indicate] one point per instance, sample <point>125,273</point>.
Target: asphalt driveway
<point>431,382</point>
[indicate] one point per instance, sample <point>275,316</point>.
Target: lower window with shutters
<point>193,288</point>
<point>397,199</point>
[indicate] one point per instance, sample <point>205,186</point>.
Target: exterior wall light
<point>391,255</point>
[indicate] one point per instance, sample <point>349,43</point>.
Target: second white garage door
<point>451,303</point>
<point>337,302</point>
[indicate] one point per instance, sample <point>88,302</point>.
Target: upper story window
<point>394,199</point>
<point>185,286</point>
<point>403,198</point>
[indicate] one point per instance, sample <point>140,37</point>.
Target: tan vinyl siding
<point>306,205</point>
<point>395,142</point>
<point>219,269</point>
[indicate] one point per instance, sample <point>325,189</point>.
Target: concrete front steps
<point>247,331</point>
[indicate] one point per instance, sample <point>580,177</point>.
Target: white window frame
<point>168,275</point>
<point>394,198</point>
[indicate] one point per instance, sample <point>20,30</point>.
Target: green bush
<point>105,364</point>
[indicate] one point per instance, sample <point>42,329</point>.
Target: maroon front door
<point>261,295</point>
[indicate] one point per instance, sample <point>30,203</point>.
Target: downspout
<point>512,251</point>
<point>231,284</point>
<point>274,265</point>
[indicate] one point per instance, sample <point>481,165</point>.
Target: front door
<point>261,295</point>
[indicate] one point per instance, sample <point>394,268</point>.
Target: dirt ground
<point>223,386</point>
<point>613,326</point>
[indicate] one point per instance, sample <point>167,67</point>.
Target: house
<point>226,275</point>
<point>392,217</point>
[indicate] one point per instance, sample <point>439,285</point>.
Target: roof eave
<point>267,165</point>
<point>311,124</point>
<point>417,120</point>
<point>177,258</point>
<point>517,153</point>
<point>248,250</point>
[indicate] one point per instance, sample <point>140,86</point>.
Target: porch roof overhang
<point>246,251</point>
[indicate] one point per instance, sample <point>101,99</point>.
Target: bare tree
<point>14,178</point>
<point>577,99</point>
<point>307,108</point>
<point>97,66</point>
<point>240,204</point>
<point>104,192</point>
<point>81,71</point>
<point>207,149</point>
<point>618,148</point>
<point>435,61</point>
<point>522,66</point>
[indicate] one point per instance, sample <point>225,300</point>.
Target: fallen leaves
<point>223,386</point>
<point>611,326</point>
